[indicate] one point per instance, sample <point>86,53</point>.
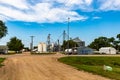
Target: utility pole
<point>58,45</point>
<point>64,34</point>
<point>31,44</point>
<point>48,41</point>
<point>68,30</point>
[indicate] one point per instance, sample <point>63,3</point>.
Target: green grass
<point>95,65</point>
<point>1,60</point>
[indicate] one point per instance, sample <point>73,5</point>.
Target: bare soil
<point>41,67</point>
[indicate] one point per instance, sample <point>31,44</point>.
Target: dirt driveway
<point>31,67</point>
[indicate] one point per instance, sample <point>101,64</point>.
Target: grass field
<point>1,60</point>
<point>95,65</point>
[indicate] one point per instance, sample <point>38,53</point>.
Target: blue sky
<point>89,19</point>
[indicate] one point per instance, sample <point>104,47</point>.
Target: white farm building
<point>107,50</point>
<point>3,49</point>
<point>42,47</point>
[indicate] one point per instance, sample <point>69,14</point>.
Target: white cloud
<point>110,5</point>
<point>4,18</point>
<point>89,2</point>
<point>14,14</point>
<point>50,14</point>
<point>61,15</point>
<point>77,4</point>
<point>71,2</point>
<point>20,4</point>
<point>46,11</point>
<point>96,17</point>
<point>41,12</point>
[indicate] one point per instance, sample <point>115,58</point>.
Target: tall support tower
<point>68,30</point>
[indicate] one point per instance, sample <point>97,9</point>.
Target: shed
<point>107,50</point>
<point>3,49</point>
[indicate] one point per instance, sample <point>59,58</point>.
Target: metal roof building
<point>107,50</point>
<point>79,42</point>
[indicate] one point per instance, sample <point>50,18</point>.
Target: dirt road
<point>31,67</point>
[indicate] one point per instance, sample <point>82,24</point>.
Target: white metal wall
<point>42,47</point>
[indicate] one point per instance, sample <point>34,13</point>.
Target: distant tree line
<point>106,42</point>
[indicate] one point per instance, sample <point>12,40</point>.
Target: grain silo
<point>42,47</point>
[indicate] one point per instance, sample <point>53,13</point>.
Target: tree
<point>26,48</point>
<point>105,42</point>
<point>15,44</point>
<point>3,29</point>
<point>71,44</point>
<point>118,45</point>
<point>111,40</point>
<point>118,36</point>
<point>100,42</point>
<point>35,47</point>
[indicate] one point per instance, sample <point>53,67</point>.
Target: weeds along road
<point>33,67</point>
